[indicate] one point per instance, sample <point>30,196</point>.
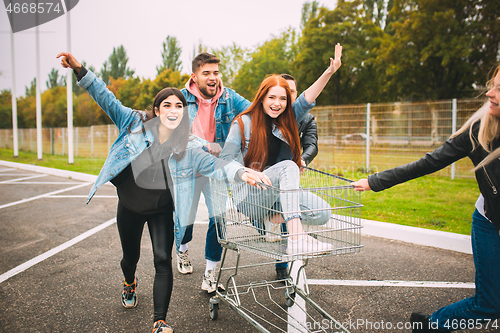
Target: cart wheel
<point>289,297</point>
<point>214,311</point>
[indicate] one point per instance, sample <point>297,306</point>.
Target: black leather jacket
<point>308,133</point>
<point>488,178</point>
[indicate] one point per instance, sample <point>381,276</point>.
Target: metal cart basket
<point>251,218</point>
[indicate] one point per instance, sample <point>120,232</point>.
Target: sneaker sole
<point>306,255</point>
<point>163,329</point>
<point>126,306</point>
<point>184,271</point>
<point>273,239</point>
<point>210,289</point>
<point>207,288</point>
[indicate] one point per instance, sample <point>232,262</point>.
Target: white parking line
<point>21,179</point>
<point>386,283</point>
<point>55,250</point>
<point>85,196</point>
<point>44,195</point>
<point>393,283</point>
<point>39,183</point>
<point>297,316</point>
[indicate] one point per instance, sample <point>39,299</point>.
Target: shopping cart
<point>331,215</point>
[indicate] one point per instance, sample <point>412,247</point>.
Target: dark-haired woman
<point>266,137</point>
<point>153,164</point>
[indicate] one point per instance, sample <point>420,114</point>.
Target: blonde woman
<point>479,140</point>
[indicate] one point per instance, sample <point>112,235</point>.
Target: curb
<point>419,236</point>
<point>50,171</point>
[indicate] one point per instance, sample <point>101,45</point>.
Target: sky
<point>141,27</point>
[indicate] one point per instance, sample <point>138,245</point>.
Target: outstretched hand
<point>317,87</point>
<point>253,177</point>
<point>69,61</point>
<point>214,148</point>
<point>336,62</point>
<point>361,185</point>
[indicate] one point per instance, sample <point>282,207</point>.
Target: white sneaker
<point>307,245</point>
<point>210,281</point>
<point>183,263</point>
<point>273,230</point>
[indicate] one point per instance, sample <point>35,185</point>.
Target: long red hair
<point>257,155</point>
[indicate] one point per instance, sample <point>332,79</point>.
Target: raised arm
<point>122,116</point>
<point>317,87</point>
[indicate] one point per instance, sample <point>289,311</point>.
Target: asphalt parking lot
<point>59,270</point>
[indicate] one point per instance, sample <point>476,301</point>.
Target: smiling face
<point>207,80</point>
<point>494,96</point>
<point>274,102</point>
<point>171,112</point>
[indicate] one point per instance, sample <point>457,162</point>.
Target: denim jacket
<point>230,105</point>
<point>233,149</point>
<point>130,144</point>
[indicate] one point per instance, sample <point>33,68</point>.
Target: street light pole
<point>69,95</point>
<point>38,98</point>
<point>14,100</point>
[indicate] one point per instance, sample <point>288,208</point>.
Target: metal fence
<point>375,137</point>
<point>93,141</point>
<point>352,138</point>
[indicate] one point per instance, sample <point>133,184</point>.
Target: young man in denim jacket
<point>212,108</point>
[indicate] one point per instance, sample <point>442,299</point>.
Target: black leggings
<point>161,231</point>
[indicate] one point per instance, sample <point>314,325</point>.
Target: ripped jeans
<point>257,204</point>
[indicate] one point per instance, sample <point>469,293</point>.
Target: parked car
<point>355,138</point>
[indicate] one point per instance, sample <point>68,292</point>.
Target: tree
<point>275,56</point>
<point>87,112</point>
<point>54,79</point>
<point>149,89</point>
<point>127,91</point>
<point>484,27</point>
<point>26,115</point>
<point>54,107</point>
<point>197,49</point>
<point>309,11</point>
<point>116,66</point>
<point>377,10</point>
<point>5,109</point>
<point>232,58</point>
<point>357,80</point>
<point>170,55</point>
<point>437,48</point>
<point>31,91</point>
